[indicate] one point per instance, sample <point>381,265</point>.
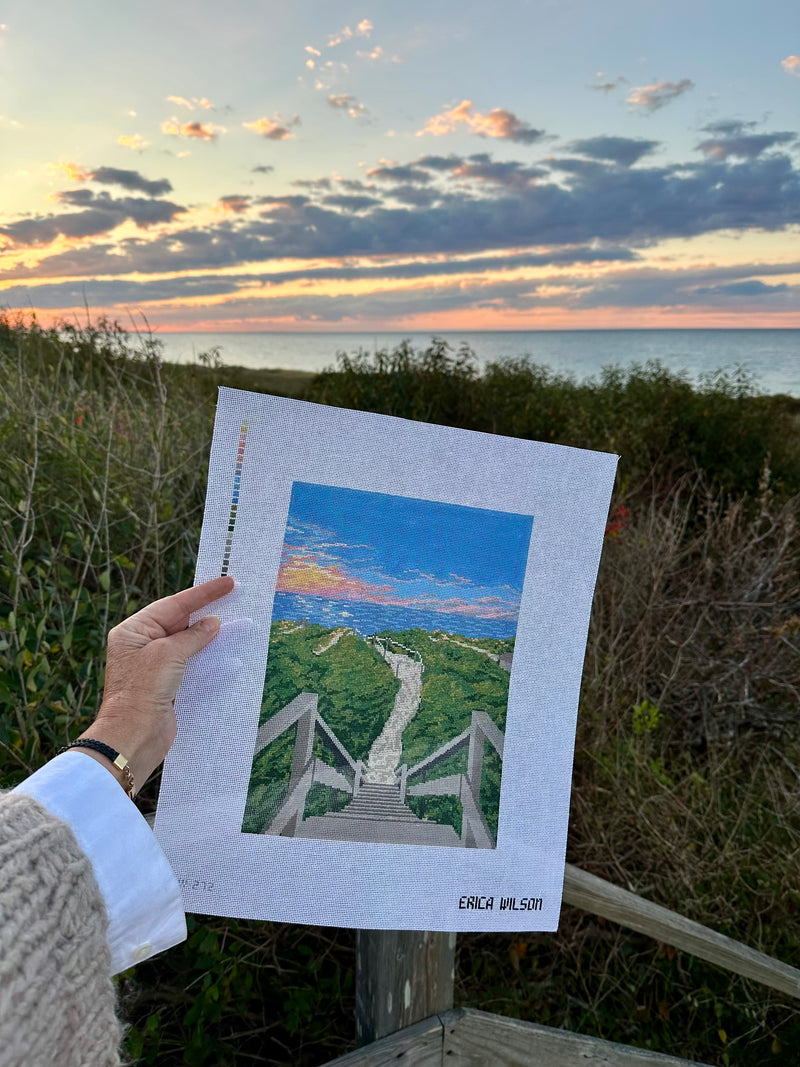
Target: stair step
<point>379,831</point>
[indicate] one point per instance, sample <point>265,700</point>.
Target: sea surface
<point>367,619</point>
<point>772,357</point>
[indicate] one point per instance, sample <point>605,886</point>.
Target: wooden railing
<point>306,767</point>
<point>382,644</point>
<point>467,787</point>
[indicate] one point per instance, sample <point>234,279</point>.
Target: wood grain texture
<point>478,1039</point>
<point>416,1046</point>
<point>595,895</point>
<point>402,977</point>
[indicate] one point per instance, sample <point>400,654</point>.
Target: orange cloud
<point>498,122</point>
<point>73,171</point>
<point>199,131</point>
<point>791,65</point>
<point>134,140</point>
<point>192,103</point>
<point>274,129</point>
<point>302,574</point>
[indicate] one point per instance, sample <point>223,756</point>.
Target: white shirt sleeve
<point>142,895</point>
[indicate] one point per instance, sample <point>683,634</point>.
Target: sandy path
<point>384,756</point>
<point>336,636</point>
<point>474,648</point>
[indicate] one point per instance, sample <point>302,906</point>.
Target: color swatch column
<point>237,481</point>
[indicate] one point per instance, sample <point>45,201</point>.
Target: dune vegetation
<point>687,771</point>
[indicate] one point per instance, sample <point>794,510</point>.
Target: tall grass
<point>687,770</point>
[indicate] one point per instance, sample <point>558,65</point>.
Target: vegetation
<point>688,752</point>
<point>356,690</point>
<point>455,683</point>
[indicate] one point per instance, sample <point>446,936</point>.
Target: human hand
<point>145,663</point>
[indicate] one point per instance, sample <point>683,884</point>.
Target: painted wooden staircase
<point>377,814</point>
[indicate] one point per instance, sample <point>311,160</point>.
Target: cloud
<point>649,98</point>
<point>197,131</point>
<point>127,179</point>
<point>753,287</point>
<point>74,171</point>
<point>364,28</point>
<point>264,168</point>
<point>623,150</point>
<point>313,51</point>
<point>101,214</point>
<point>235,204</point>
<point>510,174</point>
<point>351,203</point>
<point>392,172</point>
<point>348,103</point>
<point>496,123</point>
<point>274,129</point>
<point>732,141</point>
<point>303,574</point>
<point>791,65</point>
<point>337,38</point>
<point>313,183</point>
<point>192,103</point>
<point>111,293</point>
<point>442,163</point>
<point>133,140</point>
<point>607,87</point>
<point>491,206</point>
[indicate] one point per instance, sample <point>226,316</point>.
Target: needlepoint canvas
<point>381,735</point>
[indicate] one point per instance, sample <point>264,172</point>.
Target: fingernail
<point>210,623</point>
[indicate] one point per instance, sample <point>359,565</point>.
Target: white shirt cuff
<point>142,895</point>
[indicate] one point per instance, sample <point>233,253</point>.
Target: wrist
<point>114,762</point>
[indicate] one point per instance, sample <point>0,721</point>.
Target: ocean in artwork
<point>772,357</point>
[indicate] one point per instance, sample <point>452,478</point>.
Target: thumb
<point>187,642</point>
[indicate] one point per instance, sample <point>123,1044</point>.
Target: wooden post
<point>303,749</point>
<point>402,976</point>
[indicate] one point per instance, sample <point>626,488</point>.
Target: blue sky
<point>405,166</point>
<point>345,544</point>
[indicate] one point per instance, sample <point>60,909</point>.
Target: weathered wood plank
<point>402,976</point>
<point>594,894</point>
<point>477,1039</point>
<point>284,718</point>
<point>417,1046</point>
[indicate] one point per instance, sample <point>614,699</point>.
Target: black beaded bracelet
<point>116,758</point>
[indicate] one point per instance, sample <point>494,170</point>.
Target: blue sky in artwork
<point>403,552</point>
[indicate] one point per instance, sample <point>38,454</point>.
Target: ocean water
<point>772,357</point>
<point>368,619</point>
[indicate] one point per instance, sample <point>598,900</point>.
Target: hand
<point>146,659</point>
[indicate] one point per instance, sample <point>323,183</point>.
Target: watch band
<point>110,753</point>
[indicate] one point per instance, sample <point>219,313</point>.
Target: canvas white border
<point>205,779</point>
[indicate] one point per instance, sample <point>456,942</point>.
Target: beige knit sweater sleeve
<point>57,999</point>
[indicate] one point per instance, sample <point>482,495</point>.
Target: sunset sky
<point>400,552</point>
<point>383,166</point>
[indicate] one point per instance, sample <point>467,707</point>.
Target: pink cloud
<point>498,123</point>
<point>304,575</point>
<point>653,97</point>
